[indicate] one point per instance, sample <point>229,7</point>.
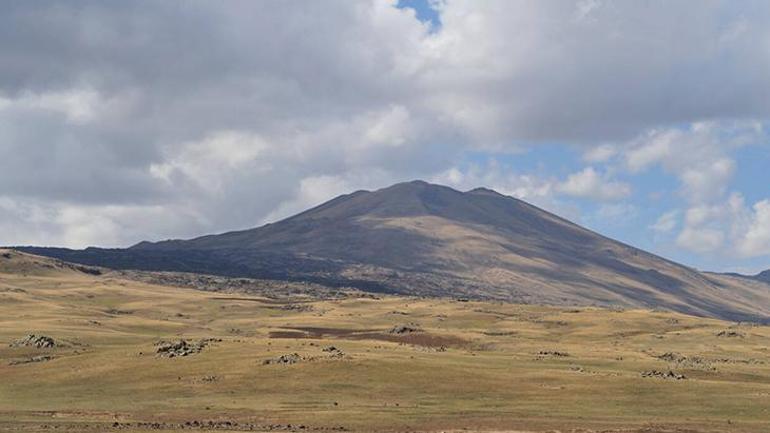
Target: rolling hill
<point>92,353</point>
<point>422,239</point>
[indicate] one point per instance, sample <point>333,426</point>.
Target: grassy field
<point>398,364</point>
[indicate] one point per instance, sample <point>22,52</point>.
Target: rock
<point>406,329</point>
<point>289,359</point>
<point>730,334</point>
<point>663,375</point>
<point>683,361</point>
<point>333,352</point>
<point>300,308</point>
<point>37,341</point>
<point>555,353</point>
<point>171,349</point>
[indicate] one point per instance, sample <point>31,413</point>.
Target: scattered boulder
<point>672,357</point>
<point>554,353</point>
<point>36,341</point>
<point>334,352</point>
<point>731,334</point>
<point>299,308</point>
<point>683,361</point>
<point>117,312</point>
<point>289,359</point>
<point>172,349</point>
<point>670,375</point>
<point>209,379</point>
<point>408,328</point>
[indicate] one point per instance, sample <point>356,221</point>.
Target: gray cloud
<point>116,110</point>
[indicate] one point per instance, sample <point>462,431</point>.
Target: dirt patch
<point>290,334</point>
<point>319,332</point>
<point>423,338</point>
<point>499,333</point>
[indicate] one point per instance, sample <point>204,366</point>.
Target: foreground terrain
<point>127,355</point>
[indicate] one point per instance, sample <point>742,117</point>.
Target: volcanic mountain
<point>428,240</point>
<point>763,276</point>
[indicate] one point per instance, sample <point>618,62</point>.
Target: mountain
<point>763,276</point>
<point>428,240</point>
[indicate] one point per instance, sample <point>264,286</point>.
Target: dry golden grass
<point>489,374</point>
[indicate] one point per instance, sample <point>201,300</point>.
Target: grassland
<point>466,366</point>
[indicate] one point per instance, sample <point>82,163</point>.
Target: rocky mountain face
<point>763,276</point>
<point>429,240</point>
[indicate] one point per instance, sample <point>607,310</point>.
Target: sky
<point>646,121</point>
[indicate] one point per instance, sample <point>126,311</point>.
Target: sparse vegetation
<point>473,365</point>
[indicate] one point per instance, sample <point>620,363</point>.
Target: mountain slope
<point>763,276</point>
<point>429,240</point>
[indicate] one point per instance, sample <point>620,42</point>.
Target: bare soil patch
<point>423,338</point>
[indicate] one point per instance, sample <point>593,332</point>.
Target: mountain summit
<point>430,240</point>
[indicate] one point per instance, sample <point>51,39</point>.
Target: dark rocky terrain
<point>763,276</point>
<point>428,240</point>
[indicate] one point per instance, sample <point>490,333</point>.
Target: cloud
<point>667,222</point>
<point>171,119</point>
<point>717,220</point>
<point>698,155</point>
<point>755,241</point>
<point>726,229</point>
<point>703,240</point>
<point>600,153</point>
<point>589,183</point>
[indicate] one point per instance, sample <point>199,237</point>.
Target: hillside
<point>421,239</point>
<point>763,276</point>
<point>116,355</point>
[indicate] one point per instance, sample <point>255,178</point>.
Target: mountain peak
<point>763,276</point>
<point>485,191</point>
<point>425,239</point>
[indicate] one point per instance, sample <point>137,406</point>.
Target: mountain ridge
<point>422,239</point>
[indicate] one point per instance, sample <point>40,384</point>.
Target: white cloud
<point>697,155</point>
<point>78,106</point>
<point>616,214</point>
<point>755,241</point>
<point>716,220</point>
<point>726,229</point>
<point>589,183</point>
<point>502,179</point>
<point>102,113</point>
<point>703,240</point>
<point>600,153</point>
<point>667,222</point>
